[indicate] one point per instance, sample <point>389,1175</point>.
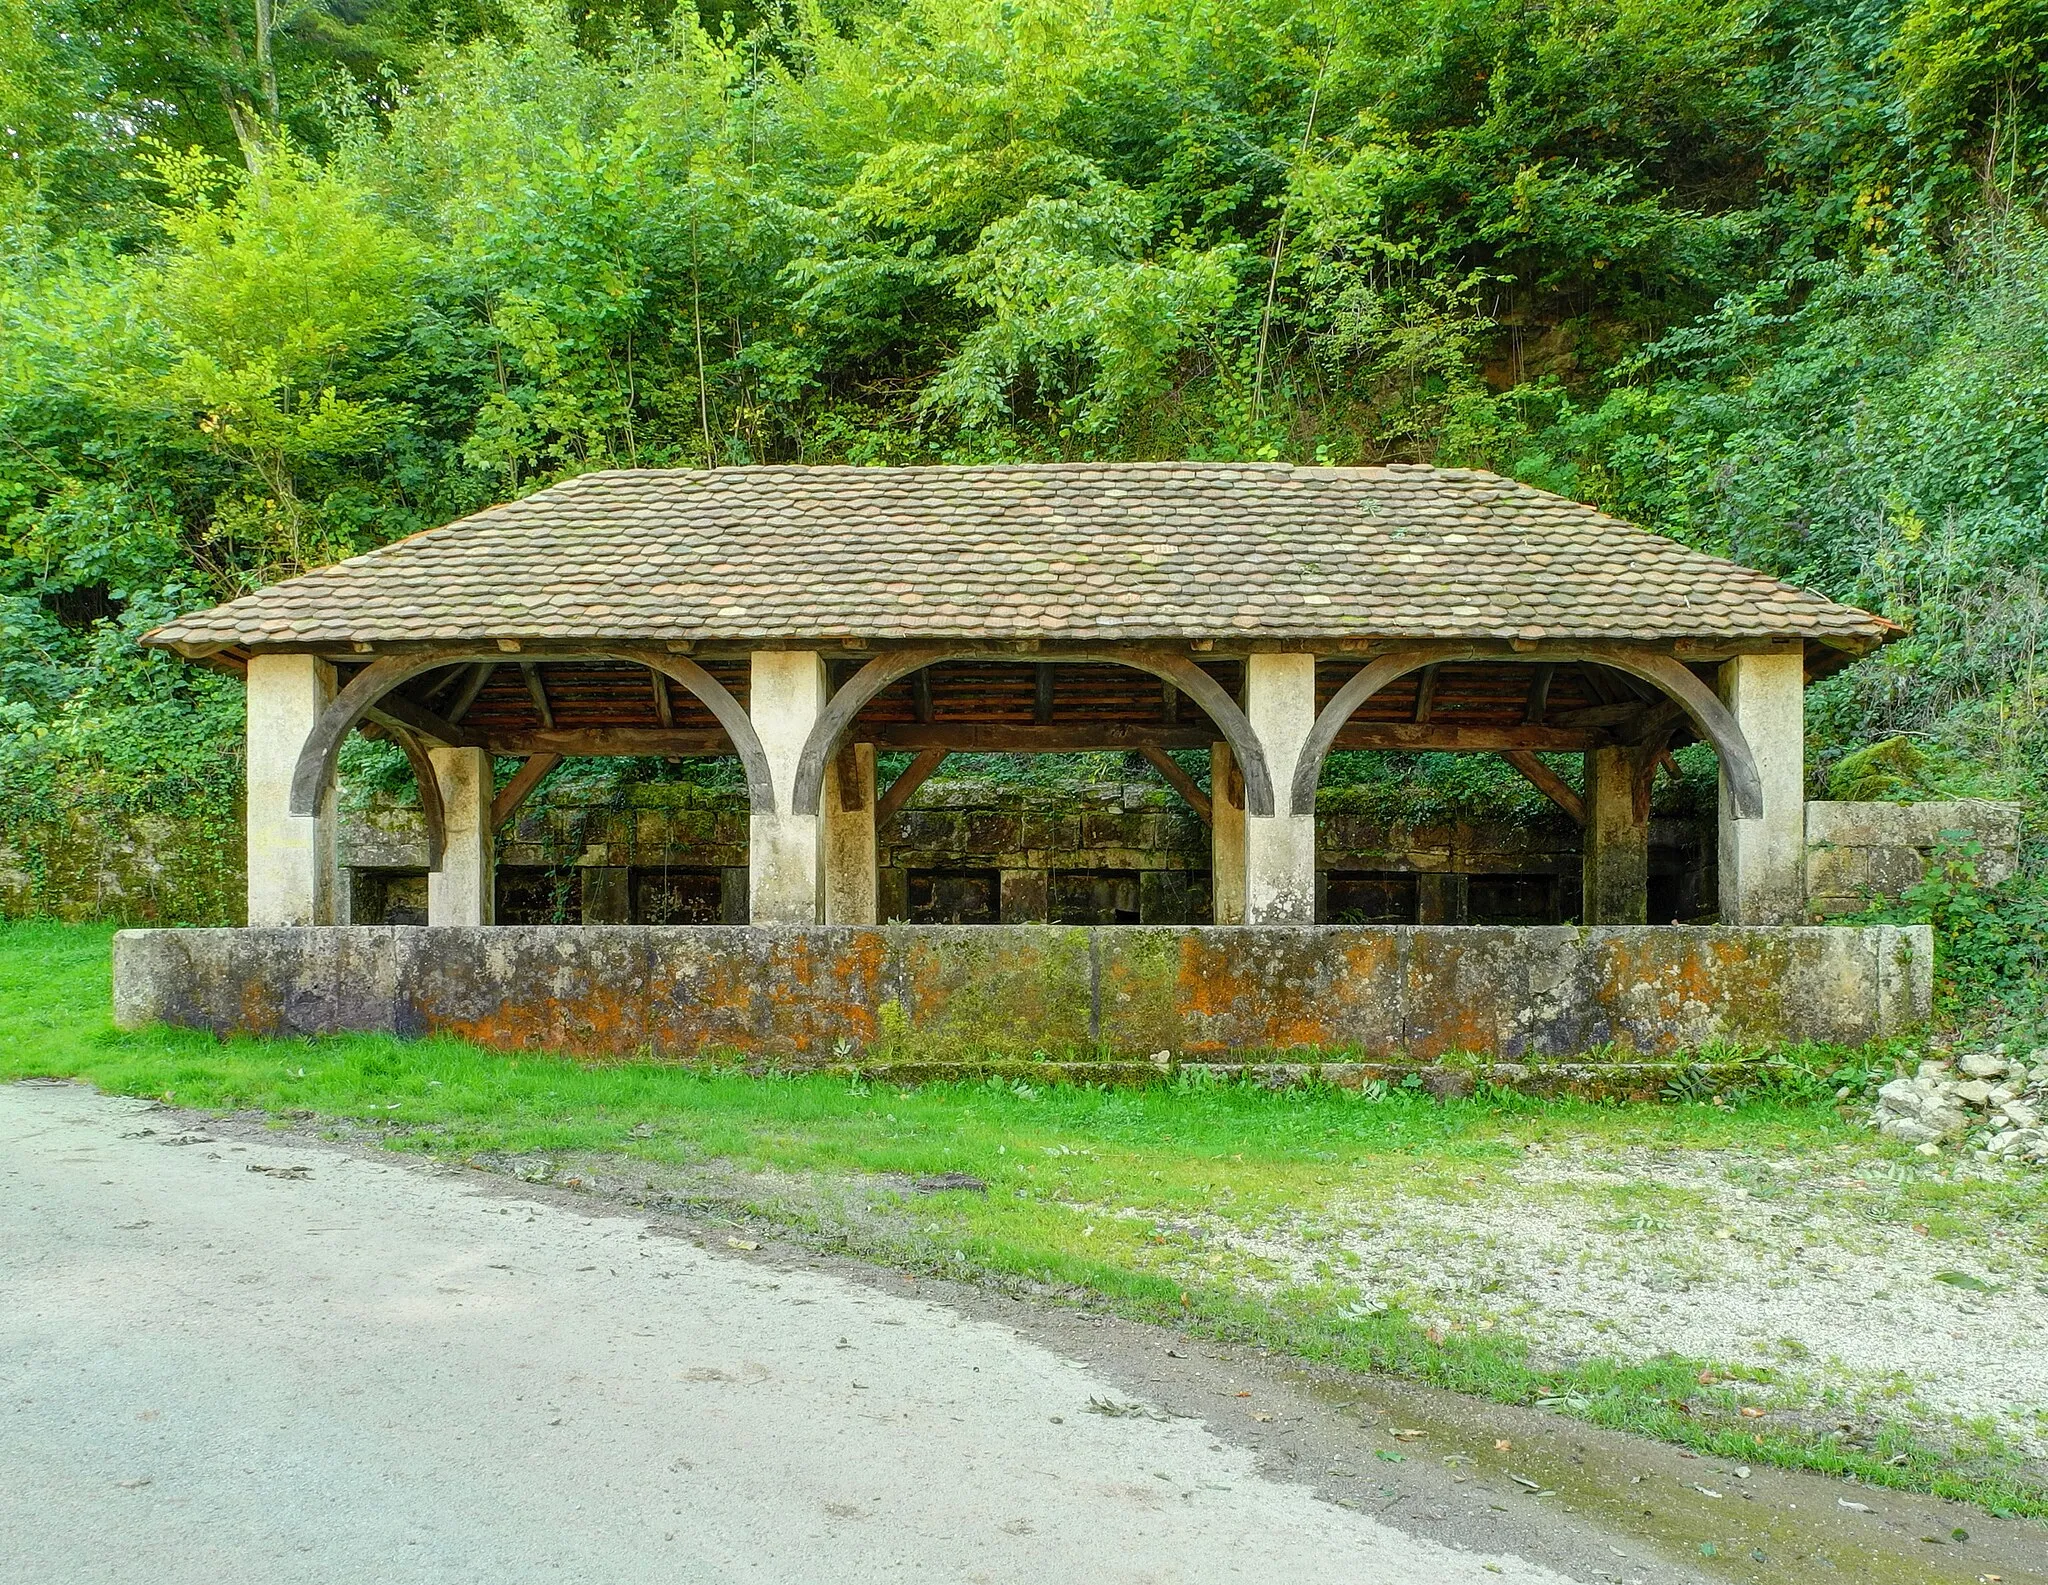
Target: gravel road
<point>231,1359</point>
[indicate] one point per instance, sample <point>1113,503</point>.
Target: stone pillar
<point>852,892</point>
<point>1763,862</point>
<point>785,861</point>
<point>1280,850</point>
<point>291,857</point>
<point>464,890</point>
<point>1226,838</point>
<point>1615,868</point>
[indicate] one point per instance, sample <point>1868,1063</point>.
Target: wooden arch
<point>1706,712</point>
<point>315,769</point>
<point>853,696</point>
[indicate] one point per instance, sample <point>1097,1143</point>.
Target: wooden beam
<point>1539,693</point>
<point>539,692</point>
<point>1547,782</point>
<point>1041,695</point>
<point>921,694</point>
<point>395,710</point>
<point>1651,725</point>
<point>1425,695</point>
<point>1000,737</point>
<point>986,737</point>
<point>1180,781</point>
<point>1169,703</point>
<point>664,707</point>
<point>614,742</point>
<point>524,780</point>
<point>1402,736</point>
<point>913,776</point>
<point>472,685</point>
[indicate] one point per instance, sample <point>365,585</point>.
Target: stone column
<point>1615,868</point>
<point>852,892</point>
<point>1280,850</point>
<point>464,890</point>
<point>1226,838</point>
<point>785,861</point>
<point>291,857</point>
<point>1763,862</point>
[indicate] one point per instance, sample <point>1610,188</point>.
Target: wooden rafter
<point>472,685</point>
<point>538,691</point>
<point>1425,695</point>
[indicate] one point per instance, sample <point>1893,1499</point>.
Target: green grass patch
<point>1099,1190</point>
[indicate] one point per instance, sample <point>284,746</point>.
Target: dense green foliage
<point>1767,276</point>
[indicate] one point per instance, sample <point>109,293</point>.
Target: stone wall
<point>1857,853</point>
<point>969,852</point>
<point>819,995</point>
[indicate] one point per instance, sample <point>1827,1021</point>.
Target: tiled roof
<point>1073,551</point>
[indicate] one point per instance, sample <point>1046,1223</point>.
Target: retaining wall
<point>909,991</point>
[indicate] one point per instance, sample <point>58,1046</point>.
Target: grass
<point>1106,1195</point>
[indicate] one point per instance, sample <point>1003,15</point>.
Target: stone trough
<point>823,995</point>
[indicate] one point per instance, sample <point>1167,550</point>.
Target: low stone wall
<point>1860,853</point>
<point>809,996</point>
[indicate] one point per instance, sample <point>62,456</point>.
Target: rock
<point>1933,1070</point>
<point>1902,1096</point>
<point>1982,1065</point>
<point>1949,1122</point>
<point>2020,1114</point>
<point>2016,1073</point>
<point>1977,1092</point>
<point>1930,1148</point>
<point>1909,1129</point>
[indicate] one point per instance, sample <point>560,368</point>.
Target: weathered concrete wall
<point>1860,852</point>
<point>813,994</point>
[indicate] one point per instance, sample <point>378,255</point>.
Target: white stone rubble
<point>1986,1099</point>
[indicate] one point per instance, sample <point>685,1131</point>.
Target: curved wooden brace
<point>315,769</point>
<point>838,715</point>
<point>1695,698</point>
<point>432,807</point>
<point>715,697</point>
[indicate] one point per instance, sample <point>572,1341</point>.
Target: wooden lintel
<point>1547,782</point>
<point>1180,781</point>
<point>538,690</point>
<point>990,737</point>
<point>515,792</point>
<point>614,742</point>
<point>913,776</point>
<point>397,710</point>
<point>1439,738</point>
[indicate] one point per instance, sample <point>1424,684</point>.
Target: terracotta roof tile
<point>1170,549</point>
